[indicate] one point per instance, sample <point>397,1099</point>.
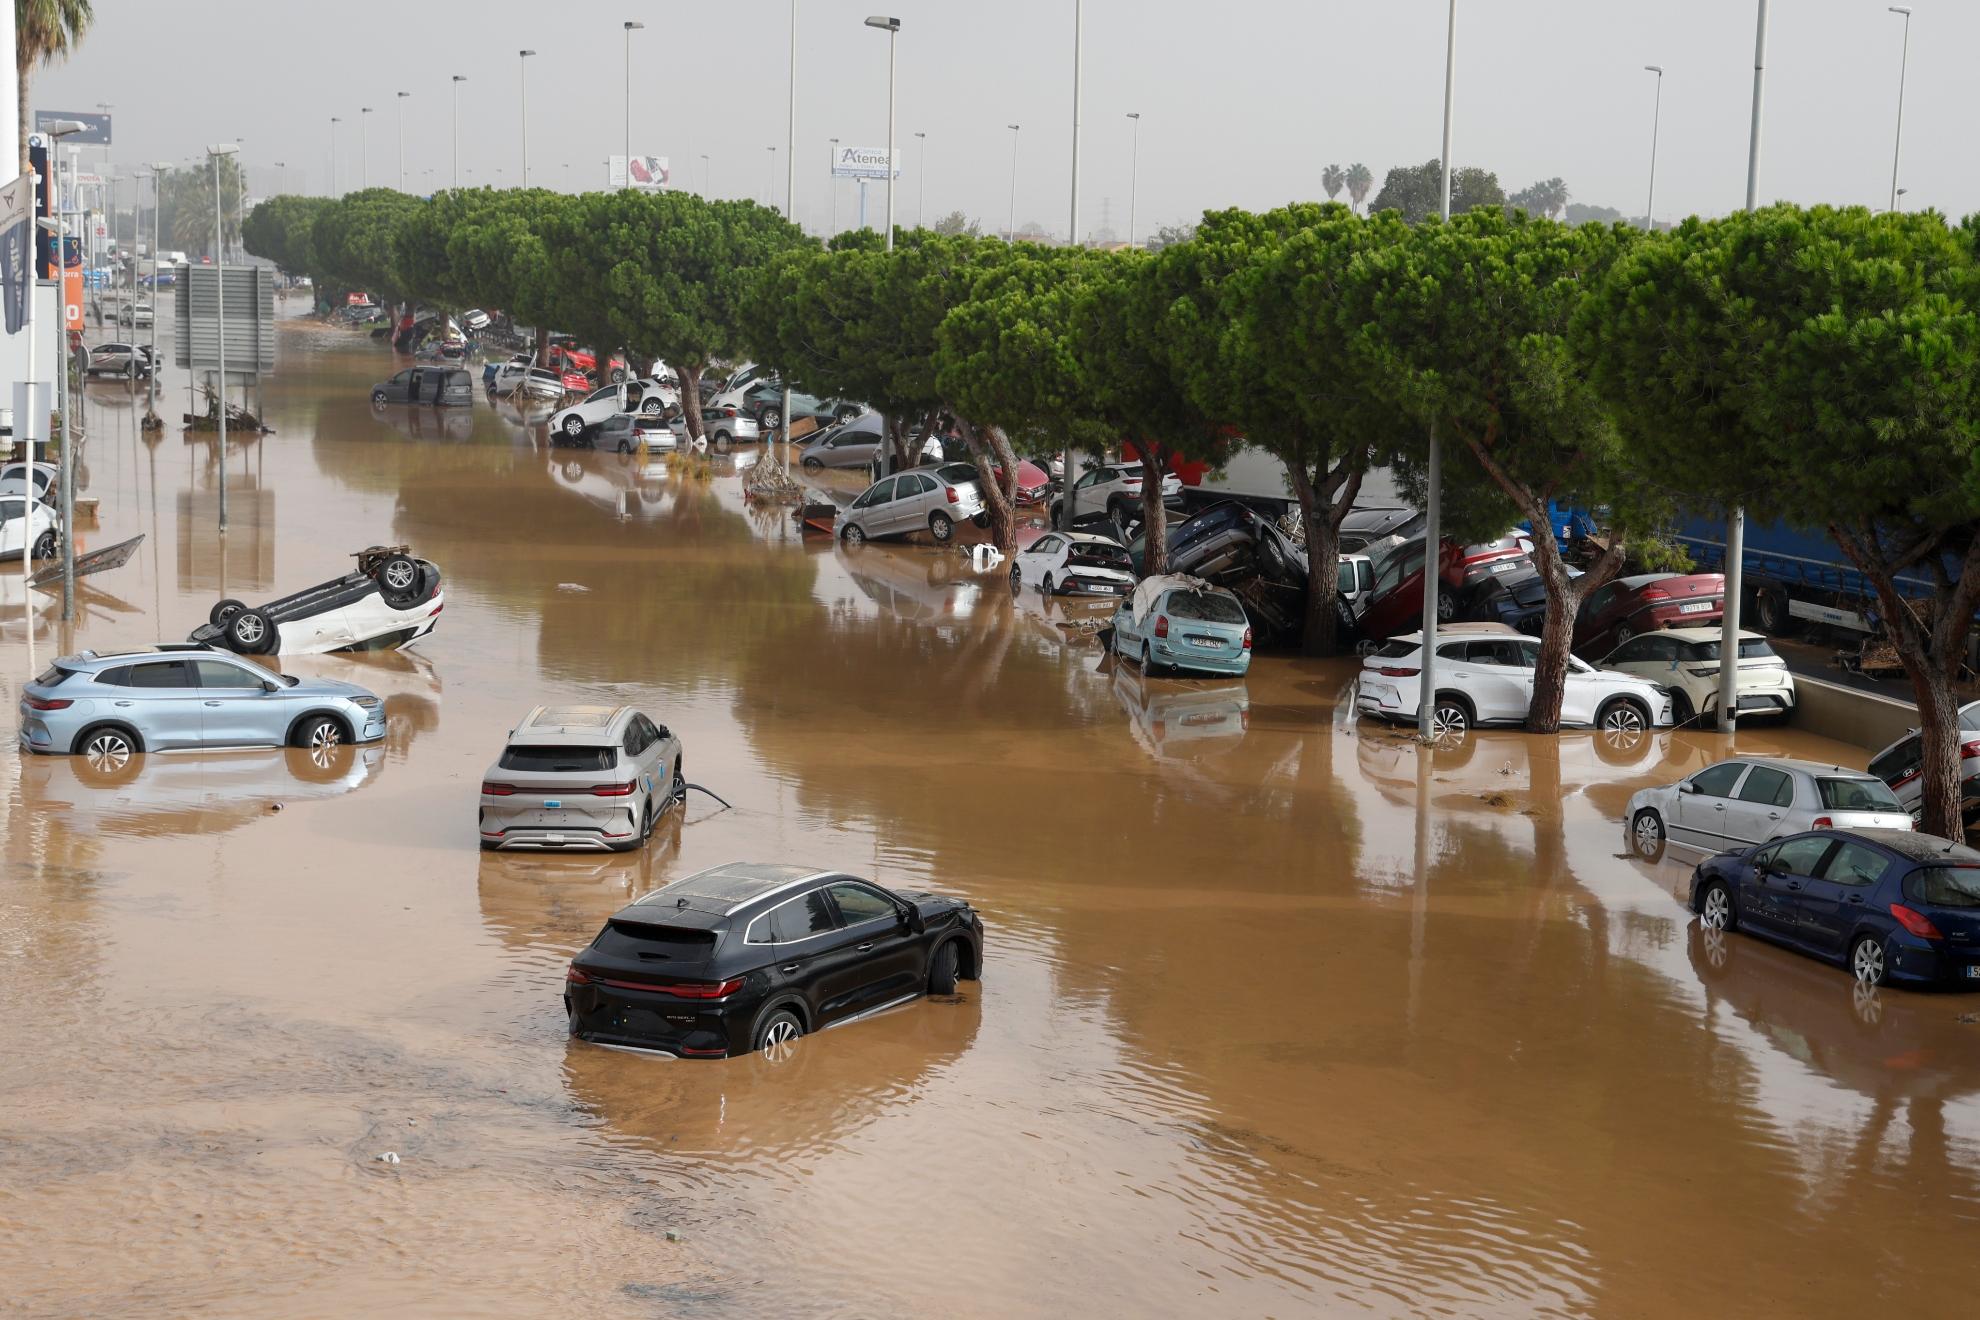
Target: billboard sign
<point>648,172</point>
<point>72,283</point>
<point>864,163</point>
<point>95,128</point>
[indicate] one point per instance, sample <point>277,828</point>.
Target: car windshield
<point>1210,606</point>
<point>1750,648</point>
<point>1396,650</point>
<point>542,760</point>
<point>1857,795</point>
<point>1093,555</point>
<point>1946,886</point>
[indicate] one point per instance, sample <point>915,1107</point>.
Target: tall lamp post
<point>1904,58</point>
<point>770,186</point>
<point>1072,227</point>
<point>158,171</point>
<point>364,146</point>
<point>921,186</point>
<point>707,175</point>
<point>1134,171</point>
<point>60,228</point>
<point>1656,121</point>
<point>402,140</point>
<point>892,27</point>
<point>832,182</point>
<point>214,153</point>
<point>522,64</point>
<point>1433,486</point>
<point>1010,220</point>
<point>334,121</point>
<point>458,80</point>
<point>631,27</point>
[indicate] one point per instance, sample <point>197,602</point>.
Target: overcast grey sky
<point>1243,101</point>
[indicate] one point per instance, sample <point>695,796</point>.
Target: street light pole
<point>770,185</point>
<point>364,147</point>
<point>214,153</point>
<point>790,201</point>
<point>158,169</point>
<point>832,182</point>
<point>1134,171</point>
<point>631,27</point>
<point>522,64</point>
<point>402,140</point>
<point>1433,513</point>
<point>334,121</point>
<point>1072,229</point>
<point>921,186</point>
<point>458,80</point>
<point>1897,147</point>
<point>707,175</point>
<point>892,27</point>
<point>1656,121</point>
<point>1010,220</point>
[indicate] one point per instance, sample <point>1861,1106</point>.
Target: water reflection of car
<point>160,795</point>
<point>1174,720</point>
<point>749,957</point>
<point>1173,623</point>
<point>621,484</point>
<point>1890,905</point>
<point>918,586</point>
<point>1749,800</point>
<point>580,779</point>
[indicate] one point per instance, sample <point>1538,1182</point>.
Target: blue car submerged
<point>1890,905</point>
<point>1176,623</point>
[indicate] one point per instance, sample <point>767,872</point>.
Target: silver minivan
<point>933,500</point>
<point>580,779</point>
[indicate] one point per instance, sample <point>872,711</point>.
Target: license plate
<point>551,804</point>
<point>1973,972</point>
<point>1695,607</point>
<point>1206,642</point>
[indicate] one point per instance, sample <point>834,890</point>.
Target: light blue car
<point>111,707</point>
<point>1174,623</point>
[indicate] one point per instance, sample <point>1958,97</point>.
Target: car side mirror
<point>1687,787</point>
<point>911,916</point>
<point>269,685</point>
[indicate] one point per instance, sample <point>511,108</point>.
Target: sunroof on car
<point>573,717</point>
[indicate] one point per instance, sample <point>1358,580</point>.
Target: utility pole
<point>402,140</point>
<point>458,80</point>
<point>1433,532</point>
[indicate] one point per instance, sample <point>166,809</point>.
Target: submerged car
<point>1175,623</point>
<point>113,706</point>
<point>722,428</point>
<point>1485,675</point>
<point>1076,563</point>
<point>580,779</point>
<point>392,600</point>
<point>1902,764</point>
<point>853,444</point>
<point>1687,661</point>
<point>1890,905</point>
<point>587,414</point>
<point>28,525</point>
<point>131,360</point>
<point>1647,602</point>
<point>750,956</point>
<point>446,386</point>
<point>927,499</point>
<point>1750,800</point>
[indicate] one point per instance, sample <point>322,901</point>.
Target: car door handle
<point>1794,884</point>
<point>211,703</point>
<point>787,968</point>
<point>1856,898</point>
<point>120,703</point>
<point>863,948</point>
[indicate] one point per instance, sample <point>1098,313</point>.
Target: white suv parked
<point>1485,676</point>
<point>1114,488</point>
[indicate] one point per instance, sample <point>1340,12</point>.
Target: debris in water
<point>389,1157</point>
<point>673,1236</point>
<point>1495,799</point>
<point>274,806</point>
<point>572,586</point>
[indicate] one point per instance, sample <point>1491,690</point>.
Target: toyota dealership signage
<point>864,163</point>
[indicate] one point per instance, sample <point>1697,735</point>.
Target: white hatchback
<point>1076,563</point>
<point>1750,800</point>
<point>1687,660</point>
<point>1485,675</point>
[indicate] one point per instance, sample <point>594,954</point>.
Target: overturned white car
<point>392,600</point>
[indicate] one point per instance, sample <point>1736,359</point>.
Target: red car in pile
<point>1396,602</point>
<point>1613,614</point>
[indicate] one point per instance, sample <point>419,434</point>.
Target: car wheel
<point>845,414</point>
<point>44,545</point>
<point>1770,612</point>
<point>1682,711</point>
<point>378,398</point>
<point>1646,834</point>
<point>319,733</point>
<point>770,418</point>
<point>1715,908</point>
<point>625,446</point>
<point>619,376</point>
<point>677,790</point>
<point>1017,580</point>
<point>251,632</point>
<point>225,610</point>
<point>941,527</point>
<point>399,575</point>
<point>1450,718</point>
<point>1047,586</point>
<point>854,534</point>
<point>720,441</point>
<point>646,822</point>
<point>651,407</point>
<point>105,754</point>
<point>1622,716</point>
<point>1623,633</point>
<point>777,1035</point>
<point>811,464</point>
<point>573,426</point>
<point>944,969</point>
<point>1866,960</point>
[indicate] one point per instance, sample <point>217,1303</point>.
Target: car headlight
<point>369,703</point>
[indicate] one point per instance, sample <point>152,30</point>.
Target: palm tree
<point>44,31</point>
<point>1331,179</point>
<point>1359,181</point>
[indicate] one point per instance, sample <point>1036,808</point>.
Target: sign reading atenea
<point>864,163</point>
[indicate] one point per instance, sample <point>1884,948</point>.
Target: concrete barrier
<point>1862,719</point>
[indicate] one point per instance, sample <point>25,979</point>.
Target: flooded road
<point>1279,1015</point>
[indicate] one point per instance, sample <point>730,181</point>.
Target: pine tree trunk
<point>1319,634</point>
<point>1154,514</point>
<point>1543,711</point>
<point>690,377</point>
<point>993,453</point>
<point>1938,745</point>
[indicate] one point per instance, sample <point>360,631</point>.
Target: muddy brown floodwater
<point>1280,1017</point>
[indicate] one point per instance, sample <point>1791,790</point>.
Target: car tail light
<point>610,790</point>
<point>1161,625</point>
<point>1969,749</point>
<point>1916,922</point>
<point>953,497</point>
<point>1822,823</point>
<point>490,789</point>
<point>715,1053</point>
<point>572,976</point>
<point>728,412</point>
<point>1247,639</point>
<point>703,989</point>
<point>48,703</point>
<point>1654,593</point>
<point>436,609</point>
<point>1396,671</point>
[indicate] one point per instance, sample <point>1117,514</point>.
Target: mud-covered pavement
<point>1279,1016</point>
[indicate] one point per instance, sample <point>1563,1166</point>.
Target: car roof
<point>1090,538</point>
<point>1706,634</point>
<point>1642,579</point>
<point>1449,631</point>
<point>1823,768</point>
<point>726,889</point>
<point>573,724</point>
<point>1918,847</point>
<point>100,659</point>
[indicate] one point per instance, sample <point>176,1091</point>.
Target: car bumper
<point>621,1017</point>
<point>1086,587</point>
<point>546,838</point>
<point>1199,660</point>
<point>1932,962</point>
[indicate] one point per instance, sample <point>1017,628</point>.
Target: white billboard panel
<point>864,163</point>
<point>649,172</point>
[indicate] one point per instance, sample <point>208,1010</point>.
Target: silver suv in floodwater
<point>111,707</point>
<point>580,779</point>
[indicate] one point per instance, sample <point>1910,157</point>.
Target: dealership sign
<point>864,163</point>
<point>648,172</point>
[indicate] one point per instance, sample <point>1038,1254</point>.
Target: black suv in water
<point>750,956</point>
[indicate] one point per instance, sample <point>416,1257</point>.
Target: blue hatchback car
<point>1890,905</point>
<point>111,707</point>
<point>1181,623</point>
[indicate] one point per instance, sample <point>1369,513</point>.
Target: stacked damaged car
<point>1234,546</point>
